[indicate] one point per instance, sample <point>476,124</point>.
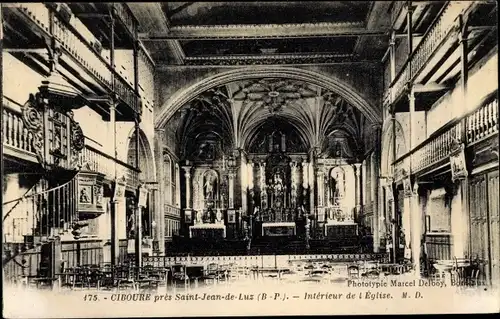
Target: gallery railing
<point>439,30</point>
<point>480,124</point>
<point>79,44</point>
<point>101,162</point>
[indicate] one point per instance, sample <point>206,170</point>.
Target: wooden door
<point>478,208</point>
<point>494,227</point>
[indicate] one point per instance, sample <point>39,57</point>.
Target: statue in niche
<point>209,185</point>
<point>337,185</point>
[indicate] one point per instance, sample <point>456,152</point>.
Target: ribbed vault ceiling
<point>234,113</point>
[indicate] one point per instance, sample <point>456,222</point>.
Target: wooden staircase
<point>44,214</point>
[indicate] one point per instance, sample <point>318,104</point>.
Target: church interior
<point>187,143</point>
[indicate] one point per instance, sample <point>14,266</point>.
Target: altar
<point>341,229</point>
<point>279,229</point>
<point>208,231</point>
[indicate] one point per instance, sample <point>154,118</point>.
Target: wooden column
<point>464,183</point>
<point>138,238</point>
<point>160,198</point>
<point>416,228</point>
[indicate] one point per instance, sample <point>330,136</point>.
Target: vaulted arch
<point>146,159</point>
<point>181,97</point>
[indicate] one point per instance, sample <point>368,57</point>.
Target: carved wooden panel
<point>57,137</point>
<point>478,201</point>
<point>494,225</point>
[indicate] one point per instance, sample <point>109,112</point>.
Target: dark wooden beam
<point>213,32</point>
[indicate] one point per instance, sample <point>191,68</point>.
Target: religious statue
<point>209,185</point>
<point>131,225</point>
<point>278,184</point>
<point>84,196</point>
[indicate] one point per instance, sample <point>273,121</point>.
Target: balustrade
<point>436,33</point>
<point>483,122</point>
<point>122,11</point>
<point>105,164</point>
<point>436,148</point>
<point>13,131</point>
<point>479,125</point>
<point>78,42</point>
<point>15,135</point>
<point>41,214</point>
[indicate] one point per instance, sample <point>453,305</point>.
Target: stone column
<point>178,186</point>
<point>320,180</point>
<point>187,175</point>
<point>312,188</point>
<point>357,169</point>
<point>376,203</point>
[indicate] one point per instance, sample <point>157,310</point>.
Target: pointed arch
<point>181,97</point>
<point>146,159</point>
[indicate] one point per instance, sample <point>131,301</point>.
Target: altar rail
<point>432,39</point>
<point>478,125</point>
<point>256,260</point>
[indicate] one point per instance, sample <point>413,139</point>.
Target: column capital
<point>187,170</point>
<point>357,168</point>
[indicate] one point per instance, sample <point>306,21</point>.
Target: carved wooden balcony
<point>80,52</point>
<point>17,140</point>
<point>483,123</point>
<point>437,36</point>
<point>101,162</point>
<point>18,143</point>
<point>126,17</point>
<point>477,126</point>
